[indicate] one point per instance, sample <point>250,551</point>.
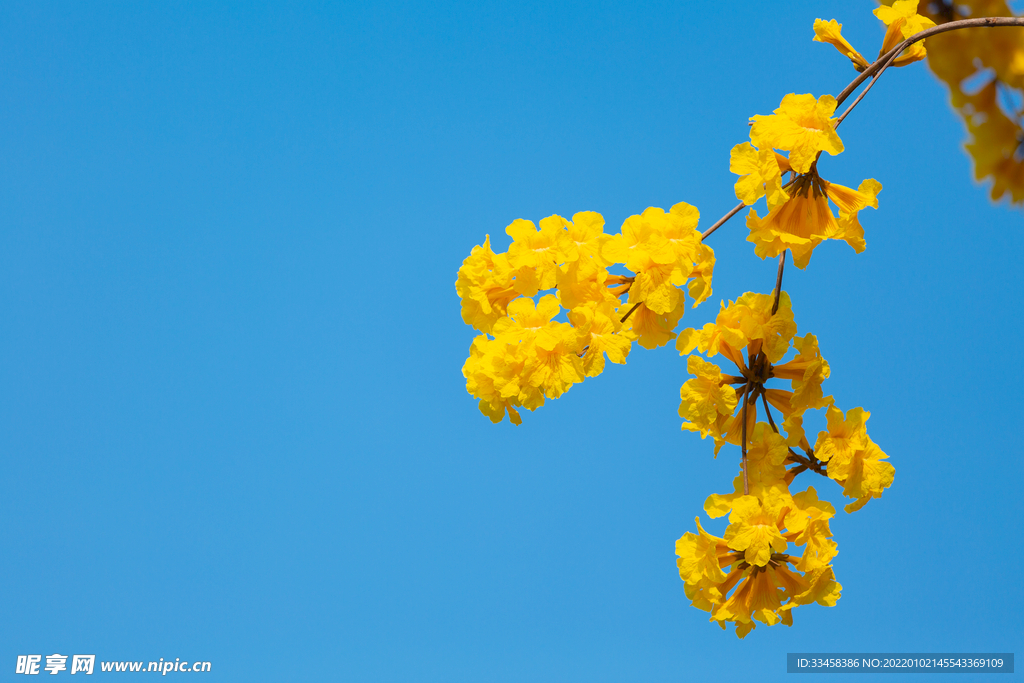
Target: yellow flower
<point>760,174</point>
<point>758,596</point>
<point>865,476</point>
<point>584,282</point>
<point>552,363</point>
<point>536,254</point>
<point>822,589</point>
<point>485,286</point>
<point>807,371</point>
<point>844,436</point>
<point>831,32</point>
<point>651,329</point>
<point>766,456</point>
<point>807,525</point>
<point>492,376</point>
<point>748,321</point>
<point>854,460</point>
<point>801,126</point>
<point>665,252</point>
<point>702,556</point>
<point>663,249</point>
<point>995,141</point>
<point>531,357</point>
<point>903,21</point>
<point>759,584</point>
<point>600,331</point>
<point>754,526</point>
<point>806,220</point>
<point>586,233</point>
<point>640,243</point>
<point>706,401</point>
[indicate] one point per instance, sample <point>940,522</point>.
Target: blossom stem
<point>768,412</point>
<point>885,61</point>
<point>743,431</point>
<point>808,463</point>
<point>778,282</point>
<point>630,312</point>
<point>721,221</point>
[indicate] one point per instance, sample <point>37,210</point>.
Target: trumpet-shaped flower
<point>766,456</point>
<point>903,21</point>
<point>535,254</point>
<point>649,328</point>
<point>822,588</point>
<point>802,126</point>
<point>705,400</point>
<point>754,526</point>
<point>664,250</point>
<point>831,32</point>
<point>760,585</point>
<point>807,372</point>
<point>702,556</point>
<point>601,335</point>
<point>806,220</point>
<point>531,357</point>
<point>584,282</point>
<point>747,321</point>
<point>864,476</point>
<point>844,436</point>
<point>485,285</point>
<point>760,174</point>
<point>586,233</point>
<point>854,460</point>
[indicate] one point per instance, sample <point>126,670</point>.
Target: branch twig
<point>746,483</point>
<point>778,281</point>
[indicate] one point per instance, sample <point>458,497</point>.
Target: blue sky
<point>233,422</point>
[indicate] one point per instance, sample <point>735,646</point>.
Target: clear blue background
<point>233,425</point>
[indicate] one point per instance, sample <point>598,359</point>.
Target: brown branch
<point>778,282</point>
<point>743,450</point>
<point>796,470</point>
<point>886,60</point>
<point>630,312</point>
<point>721,221</point>
<point>768,412</point>
<point>810,463</point>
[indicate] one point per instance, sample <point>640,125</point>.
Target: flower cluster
<point>524,354</point>
<point>799,216</point>
<point>566,297</point>
<point>765,582</point>
<point>992,110</point>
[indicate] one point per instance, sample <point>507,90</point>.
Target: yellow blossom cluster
<point>799,216</point>
<point>524,354</point>
<point>992,109</point>
<point>711,406</point>
<point>765,580</point>
<point>566,297</point>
